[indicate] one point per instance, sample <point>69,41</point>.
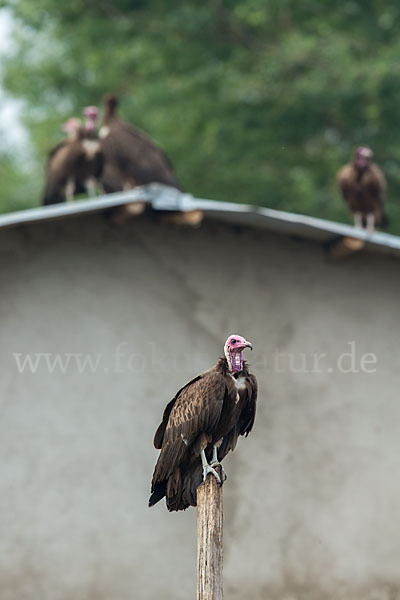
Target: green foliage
<point>17,191</point>
<point>254,101</point>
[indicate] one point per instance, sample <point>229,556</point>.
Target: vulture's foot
<point>358,220</point>
<point>214,464</point>
<point>370,223</point>
<point>208,469</point>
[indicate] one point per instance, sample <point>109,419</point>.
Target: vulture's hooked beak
<point>248,345</point>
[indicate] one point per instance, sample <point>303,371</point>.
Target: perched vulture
<point>363,187</point>
<point>75,165</point>
<point>201,424</point>
<point>130,157</point>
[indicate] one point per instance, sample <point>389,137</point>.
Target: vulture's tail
<point>180,490</point>
<point>183,493</point>
<point>172,489</point>
<point>157,493</point>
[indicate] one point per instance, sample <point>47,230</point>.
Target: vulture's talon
<point>214,464</point>
<point>223,475</point>
<point>208,469</point>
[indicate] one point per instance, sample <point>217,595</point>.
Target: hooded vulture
<point>201,424</point>
<point>363,188</point>
<point>75,165</point>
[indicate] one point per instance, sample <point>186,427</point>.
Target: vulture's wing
<point>345,179</point>
<point>245,420</point>
<point>376,184</point>
<point>61,165</point>
<point>159,435</point>
<point>137,155</point>
<point>248,414</point>
<point>194,411</point>
<point>54,150</point>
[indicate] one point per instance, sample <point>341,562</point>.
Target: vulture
<point>201,424</point>
<point>363,187</point>
<point>75,165</point>
<point>130,157</point>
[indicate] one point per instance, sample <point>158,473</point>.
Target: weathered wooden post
<point>209,539</point>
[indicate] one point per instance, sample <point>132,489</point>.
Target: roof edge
<point>165,198</point>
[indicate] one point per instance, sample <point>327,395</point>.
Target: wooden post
<point>209,539</point>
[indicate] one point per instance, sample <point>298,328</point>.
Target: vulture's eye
<point>233,341</point>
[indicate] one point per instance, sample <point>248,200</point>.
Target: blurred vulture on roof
<point>363,187</point>
<point>130,157</point>
<point>75,165</point>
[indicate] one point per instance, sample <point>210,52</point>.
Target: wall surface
<point>313,494</point>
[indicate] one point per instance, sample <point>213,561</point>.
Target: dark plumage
<point>131,158</point>
<point>208,414</point>
<point>73,167</point>
<point>363,187</point>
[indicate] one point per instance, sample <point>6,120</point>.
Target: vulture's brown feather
<point>131,157</point>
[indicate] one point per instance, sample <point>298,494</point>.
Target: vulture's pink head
<point>91,113</point>
<point>362,157</point>
<point>72,125</point>
<point>234,346</point>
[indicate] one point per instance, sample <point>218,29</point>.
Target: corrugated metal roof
<point>164,198</point>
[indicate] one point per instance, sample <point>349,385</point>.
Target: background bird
<point>91,168</point>
<point>201,424</point>
<point>363,187</point>
<point>59,184</point>
<point>130,157</point>
<point>75,165</point>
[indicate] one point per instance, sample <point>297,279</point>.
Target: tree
<point>254,102</point>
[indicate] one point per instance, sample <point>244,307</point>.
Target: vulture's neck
<point>360,172</point>
<point>224,366</point>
